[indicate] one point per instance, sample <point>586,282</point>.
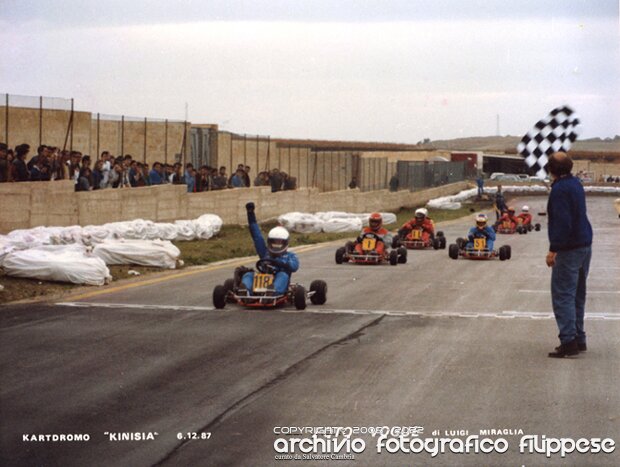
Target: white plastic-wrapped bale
<point>58,263</point>
<point>154,253</point>
<point>343,224</point>
<point>301,222</point>
<point>207,225</point>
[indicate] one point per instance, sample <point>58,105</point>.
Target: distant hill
<point>509,144</point>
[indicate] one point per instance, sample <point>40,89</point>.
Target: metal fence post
<point>144,156</point>
<point>98,133</point>
<point>166,142</point>
<point>6,120</point>
<point>72,118</point>
<point>122,135</point>
<point>40,120</point>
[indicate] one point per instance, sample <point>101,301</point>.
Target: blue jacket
<point>487,233</point>
<point>155,177</point>
<point>569,227</point>
<point>287,262</point>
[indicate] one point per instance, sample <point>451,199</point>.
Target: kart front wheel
<point>537,227</point>
<point>229,284</point>
<point>395,242</point>
<point>508,251</point>
<point>503,256</point>
<point>219,296</point>
<point>393,257</point>
<point>402,255</point>
<point>340,255</point>
<point>436,244</point>
<point>299,298</point>
<point>319,297</point>
<point>453,251</point>
<point>461,242</point>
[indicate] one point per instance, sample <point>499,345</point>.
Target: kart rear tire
<point>219,296</point>
<point>299,297</point>
<point>319,288</point>
<point>537,227</point>
<point>442,242</point>
<point>461,242</point>
<point>508,251</point>
<point>340,252</point>
<point>394,257</point>
<point>395,242</point>
<point>453,251</point>
<point>436,244</point>
<point>402,255</point>
<point>502,253</point>
<point>440,234</point>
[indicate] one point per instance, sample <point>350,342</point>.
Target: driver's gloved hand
<point>359,239</point>
<point>471,238</point>
<point>249,207</point>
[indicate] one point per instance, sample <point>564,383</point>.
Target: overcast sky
<point>394,70</point>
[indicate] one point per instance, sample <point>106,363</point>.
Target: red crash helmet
<point>375,221</point>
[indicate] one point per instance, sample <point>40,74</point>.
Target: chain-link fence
<point>55,122</point>
<point>414,175</point>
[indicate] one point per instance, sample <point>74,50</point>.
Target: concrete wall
<point>29,125</point>
<point>32,204</point>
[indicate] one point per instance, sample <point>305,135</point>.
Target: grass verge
<point>232,242</point>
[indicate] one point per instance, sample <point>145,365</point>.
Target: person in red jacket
<point>375,226</point>
<point>420,221</point>
<point>525,216</point>
<point>508,216</point>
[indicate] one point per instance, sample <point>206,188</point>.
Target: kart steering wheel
<point>266,266</point>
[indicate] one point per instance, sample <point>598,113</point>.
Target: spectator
<point>394,183</point>
<point>246,176</point>
<point>290,183</point>
<point>480,184</point>
<point>219,179</point>
<point>262,179</point>
<point>353,183</point>
<point>39,171</point>
<point>84,180</point>
<point>500,203</point>
<point>145,174</point>
<point>10,157</point>
<point>168,173</point>
<point>115,175</point>
<point>155,175</point>
<point>190,180</point>
<point>4,163</point>
<point>237,180</point>
<point>177,177</point>
<point>20,170</point>
<point>239,167</point>
<point>275,180</point>
<point>41,150</point>
<point>132,173</point>
<point>74,165</point>
<point>202,179</point>
<point>97,175</point>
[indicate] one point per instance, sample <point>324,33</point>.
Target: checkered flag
<point>556,132</point>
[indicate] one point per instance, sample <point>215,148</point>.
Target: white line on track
<point>320,310</point>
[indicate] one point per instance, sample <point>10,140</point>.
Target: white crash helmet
<point>525,209</point>
<point>277,240</point>
<point>421,212</point>
<point>481,220</point>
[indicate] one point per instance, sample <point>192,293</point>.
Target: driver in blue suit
<point>275,250</point>
<point>481,230</point>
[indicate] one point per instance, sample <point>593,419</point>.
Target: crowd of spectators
<point>50,163</point>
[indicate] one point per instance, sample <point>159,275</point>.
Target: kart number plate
<point>480,243</point>
<point>507,224</point>
<point>262,282</point>
<point>416,234</point>
<point>369,244</point>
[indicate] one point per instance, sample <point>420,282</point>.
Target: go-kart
<point>262,294</point>
<point>478,251</point>
<point>506,227</point>
<point>370,255</point>
<point>525,228</point>
<point>414,240</point>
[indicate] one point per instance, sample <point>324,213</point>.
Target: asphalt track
<point>440,344</point>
